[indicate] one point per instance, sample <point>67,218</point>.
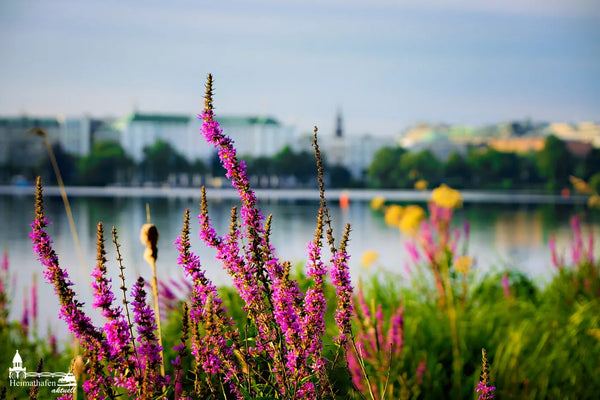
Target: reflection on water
<point>501,236</point>
<point>519,230</point>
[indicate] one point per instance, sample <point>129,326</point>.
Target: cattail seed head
<point>149,238</point>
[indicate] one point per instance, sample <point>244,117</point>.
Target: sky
<point>385,65</point>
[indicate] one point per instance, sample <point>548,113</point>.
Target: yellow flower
<point>368,258</point>
<point>594,201</point>
<point>580,185</point>
<point>462,264</point>
<point>377,203</point>
<point>446,197</point>
<point>393,214</point>
<point>595,333</point>
<point>411,219</point>
<point>421,184</point>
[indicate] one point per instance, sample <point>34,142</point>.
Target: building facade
<point>143,130</point>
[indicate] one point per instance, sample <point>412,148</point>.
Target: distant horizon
<point>412,125</point>
<point>386,65</point>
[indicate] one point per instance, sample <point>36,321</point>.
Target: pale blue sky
<point>386,64</point>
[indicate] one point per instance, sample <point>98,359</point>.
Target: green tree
<point>339,176</point>
<point>456,171</point>
<point>107,163</point>
<point>384,170</point>
<point>198,167</point>
<point>591,163</point>
<point>300,165</point>
<point>160,160</point>
<point>260,166</point>
<point>493,169</point>
<point>419,165</point>
<point>555,163</point>
<point>67,165</point>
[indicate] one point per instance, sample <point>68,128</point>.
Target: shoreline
<point>469,196</point>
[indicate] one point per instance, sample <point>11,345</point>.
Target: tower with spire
<point>339,130</point>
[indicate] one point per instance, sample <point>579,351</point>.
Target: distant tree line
<point>108,163</point>
<point>480,168</point>
<point>485,168</point>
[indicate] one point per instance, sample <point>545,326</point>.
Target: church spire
<point>339,131</point>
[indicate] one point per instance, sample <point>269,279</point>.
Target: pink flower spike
<point>5,261</point>
<point>590,249</point>
<point>411,248</point>
<point>506,285</point>
<point>556,260</point>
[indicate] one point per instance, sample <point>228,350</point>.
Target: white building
<point>143,130</point>
<point>354,152</point>
<point>253,136</point>
<point>75,135</point>
<point>21,148</point>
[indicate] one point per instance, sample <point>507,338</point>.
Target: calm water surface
<point>502,236</point>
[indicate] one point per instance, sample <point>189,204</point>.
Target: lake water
<point>502,236</point>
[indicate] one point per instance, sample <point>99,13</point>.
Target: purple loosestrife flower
<point>354,368</point>
<point>506,285</point>
<point>590,248</point>
<point>411,248</point>
<point>395,334</point>
<point>244,273</point>
<point>365,322</point>
<point>149,350</point>
<point>484,389</point>
<point>557,260</point>
<point>235,169</point>
<point>34,302</point>
<point>485,392</point>
<point>577,244</point>
<point>4,267</point>
<point>284,298</point>
<point>181,349</point>
<point>97,386</point>
<point>25,318</point>
<point>120,358</point>
<point>71,312</point>
<point>421,369</point>
<point>313,320</point>
<point>116,328</point>
<point>53,343</point>
<point>212,350</point>
<point>202,286</point>
<point>379,327</point>
<point>340,277</point>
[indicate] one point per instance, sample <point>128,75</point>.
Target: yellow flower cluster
<point>368,258</point>
<point>462,264</point>
<point>411,219</point>
<point>446,197</point>
<point>580,185</point>
<point>377,203</point>
<point>595,333</point>
<point>594,201</point>
<point>421,184</point>
<point>407,219</point>
<point>393,214</point>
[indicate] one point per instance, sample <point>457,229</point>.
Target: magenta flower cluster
<point>289,324</point>
<point>279,354</point>
<point>115,363</point>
